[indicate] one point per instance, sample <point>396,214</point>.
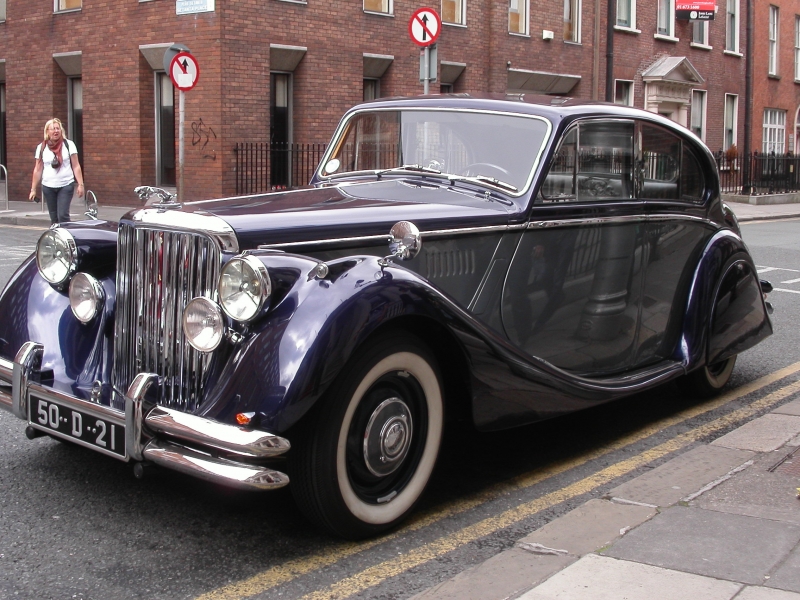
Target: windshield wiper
<point>485,180</point>
<point>407,168</point>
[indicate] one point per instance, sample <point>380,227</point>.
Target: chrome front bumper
<point>193,445</point>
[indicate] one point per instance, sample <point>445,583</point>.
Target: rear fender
<point>725,313</point>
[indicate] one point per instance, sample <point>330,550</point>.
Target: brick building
<point>285,70</point>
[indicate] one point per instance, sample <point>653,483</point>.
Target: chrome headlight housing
<point>56,255</point>
<point>85,297</point>
<point>202,324</point>
<point>244,286</point>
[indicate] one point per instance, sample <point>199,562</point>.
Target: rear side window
<point>593,163</point>
<point>668,169</point>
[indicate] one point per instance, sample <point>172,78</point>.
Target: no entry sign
<point>424,26</point>
<point>184,71</point>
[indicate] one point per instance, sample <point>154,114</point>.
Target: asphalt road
<point>74,524</point>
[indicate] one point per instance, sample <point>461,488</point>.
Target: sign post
<point>424,28</point>
<point>184,73</point>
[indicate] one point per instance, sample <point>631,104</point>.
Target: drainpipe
<point>610,18</point>
<point>748,101</point>
<point>596,53</point>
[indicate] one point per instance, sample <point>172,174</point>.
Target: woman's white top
<point>51,177</point>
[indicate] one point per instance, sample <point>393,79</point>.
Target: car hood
<point>354,209</point>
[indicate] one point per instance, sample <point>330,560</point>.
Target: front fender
<point>725,313</point>
<point>305,341</point>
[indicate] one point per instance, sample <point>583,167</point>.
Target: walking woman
<point>58,169</point>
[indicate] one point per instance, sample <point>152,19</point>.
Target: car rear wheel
<point>708,380</point>
<point>363,461</point>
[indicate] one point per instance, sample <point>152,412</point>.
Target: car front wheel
<point>363,461</point>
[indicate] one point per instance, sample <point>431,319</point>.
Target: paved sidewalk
<point>718,522</point>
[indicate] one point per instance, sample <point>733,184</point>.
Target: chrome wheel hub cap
<point>387,437</point>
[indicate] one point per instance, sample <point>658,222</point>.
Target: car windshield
<point>488,148</point>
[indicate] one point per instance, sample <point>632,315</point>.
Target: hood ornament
<point>167,201</point>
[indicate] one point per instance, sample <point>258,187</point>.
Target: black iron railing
<point>758,173</point>
<point>264,167</point>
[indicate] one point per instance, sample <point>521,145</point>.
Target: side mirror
<point>406,240</point>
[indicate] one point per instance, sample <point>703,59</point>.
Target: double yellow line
<point>380,572</point>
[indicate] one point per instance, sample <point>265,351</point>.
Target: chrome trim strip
<point>28,358</point>
<point>388,238</point>
<point>6,375</point>
<point>612,220</point>
<point>213,434</point>
<point>211,225</point>
<point>215,470</point>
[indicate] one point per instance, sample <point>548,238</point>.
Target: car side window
<point>668,170</point>
<point>594,162</point>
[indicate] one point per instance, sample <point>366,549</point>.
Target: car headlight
<point>85,297</point>
<point>244,285</point>
<point>202,324</point>
<point>56,255</point>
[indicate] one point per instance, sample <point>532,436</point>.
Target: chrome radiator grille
<point>158,272</point>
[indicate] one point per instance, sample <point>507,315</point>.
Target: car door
<point>673,186</point>
<point>573,289</point>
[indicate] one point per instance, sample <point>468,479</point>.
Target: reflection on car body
<point>511,259</point>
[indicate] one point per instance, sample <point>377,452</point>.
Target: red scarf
<point>55,148</point>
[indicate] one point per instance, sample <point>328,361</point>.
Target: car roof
<point>554,108</point>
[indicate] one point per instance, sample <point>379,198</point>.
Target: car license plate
<point>78,426</point>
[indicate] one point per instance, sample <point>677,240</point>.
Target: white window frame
<point>57,6</point>
<point>576,6</point>
<point>389,8</point>
<point>665,19</point>
<point>463,5</point>
<point>797,47</point>
<point>631,14</point>
<point>732,26</point>
<point>774,131</point>
<point>703,27</point>
<point>772,53</point>
<point>730,121</point>
<point>629,100</point>
<point>523,9</point>
<point>699,107</point>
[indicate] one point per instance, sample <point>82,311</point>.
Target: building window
<point>666,18</point>
<point>454,12</point>
<point>280,129</point>
<point>572,20</point>
<point>165,130</point>
<point>518,16</point>
<point>372,89</point>
<point>378,6</point>
<point>797,48</point>
<point>75,107</point>
<point>732,26</point>
<point>446,88</point>
<point>731,116</point>
<point>2,10</point>
<point>67,4</point>
<point>623,92</point>
<point>626,13</point>
<point>774,136</point>
<point>698,123</point>
<point>700,33</point>
<point>773,40</point>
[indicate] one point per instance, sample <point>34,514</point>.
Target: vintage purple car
<point>505,259</point>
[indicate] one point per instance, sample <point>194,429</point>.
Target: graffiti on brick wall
<point>203,138</point>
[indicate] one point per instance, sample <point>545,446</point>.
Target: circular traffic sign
<point>184,71</point>
<point>424,26</point>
